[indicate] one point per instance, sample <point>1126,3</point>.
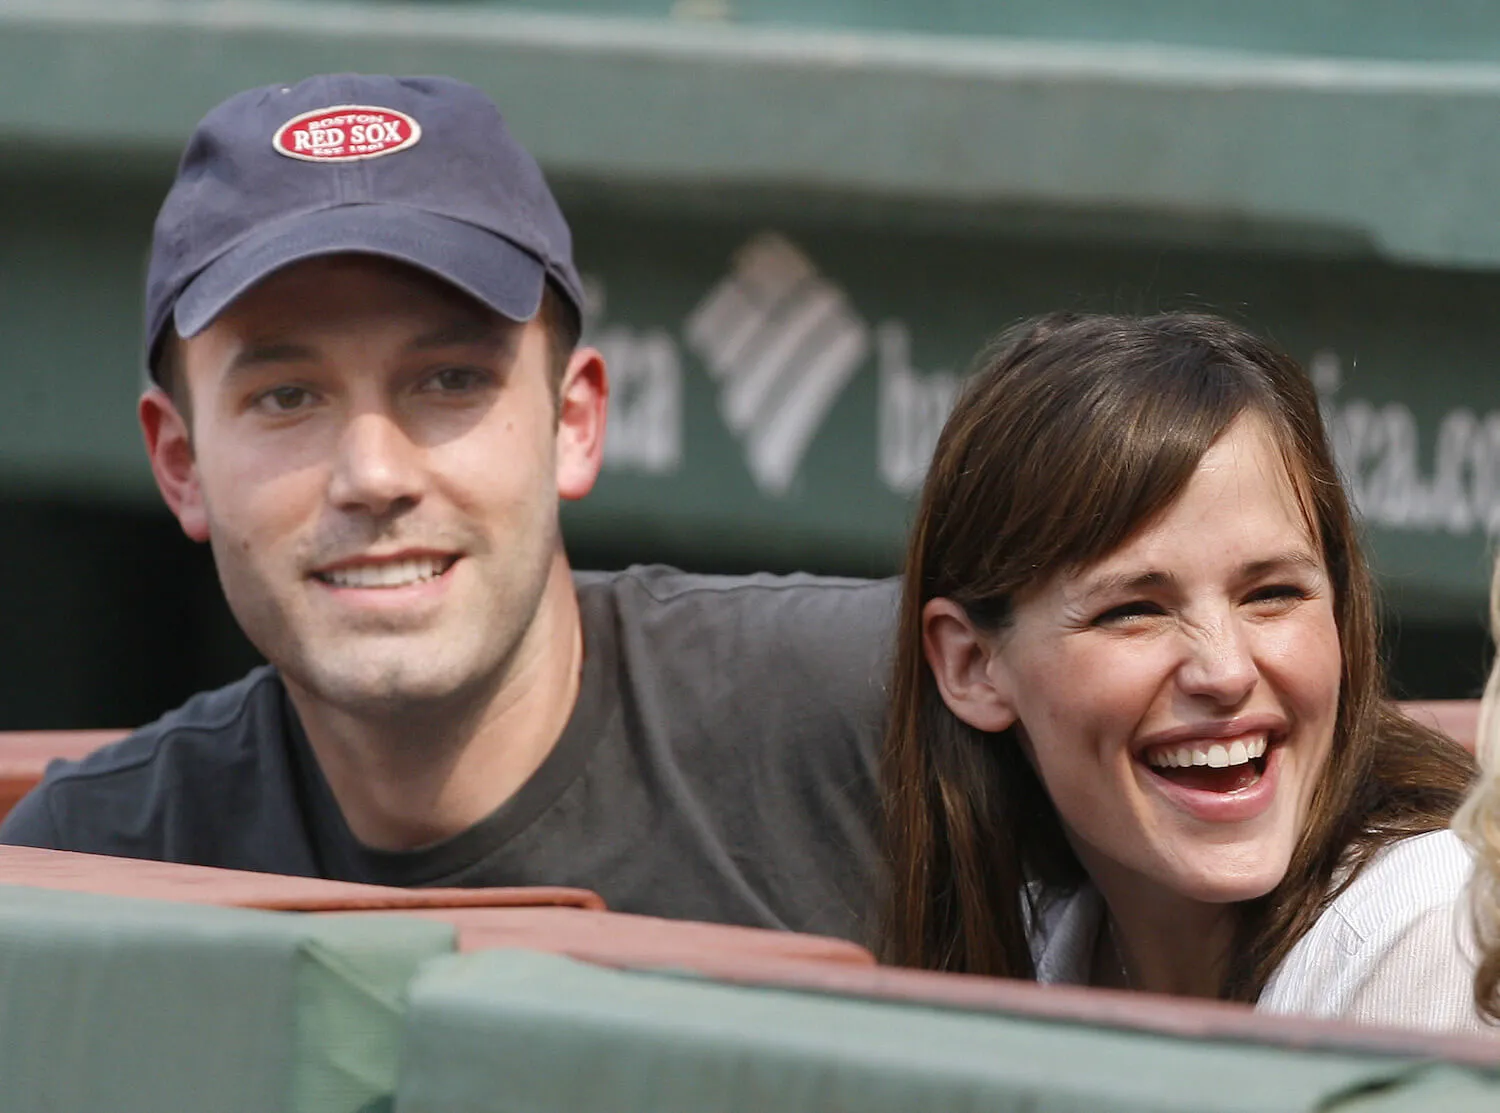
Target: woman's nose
<point>377,468</point>
<point>1219,663</point>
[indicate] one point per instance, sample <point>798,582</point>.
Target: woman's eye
<point>1277,594</point>
<point>1124,612</point>
<point>283,399</point>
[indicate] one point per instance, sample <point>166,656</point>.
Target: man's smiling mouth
<point>392,573</point>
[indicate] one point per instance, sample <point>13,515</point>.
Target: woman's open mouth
<point>1231,765</point>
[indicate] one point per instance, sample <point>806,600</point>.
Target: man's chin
<point>411,685</point>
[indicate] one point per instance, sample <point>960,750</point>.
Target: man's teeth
<point>392,573</point>
<point>1216,756</point>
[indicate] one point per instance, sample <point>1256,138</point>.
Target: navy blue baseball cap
<point>418,169</point>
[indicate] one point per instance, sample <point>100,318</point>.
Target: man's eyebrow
<point>259,355</point>
<point>498,335</point>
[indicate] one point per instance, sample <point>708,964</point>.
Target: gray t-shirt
<point>720,765</point>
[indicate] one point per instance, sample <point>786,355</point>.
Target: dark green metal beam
<point>1402,157</point>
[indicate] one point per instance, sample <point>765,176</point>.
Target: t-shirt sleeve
<point>1424,978</point>
<point>30,823</point>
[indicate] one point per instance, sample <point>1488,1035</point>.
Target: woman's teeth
<point>1215,756</point>
<point>395,573</point>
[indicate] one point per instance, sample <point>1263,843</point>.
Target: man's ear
<point>972,682</point>
<point>169,446</point>
<point>582,403</point>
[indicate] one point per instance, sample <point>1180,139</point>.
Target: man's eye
<point>283,399</point>
<point>458,380</point>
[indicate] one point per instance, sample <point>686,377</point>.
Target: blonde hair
<point>1478,824</point>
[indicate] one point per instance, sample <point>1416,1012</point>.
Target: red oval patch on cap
<point>346,132</point>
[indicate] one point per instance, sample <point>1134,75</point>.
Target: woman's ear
<point>961,659</point>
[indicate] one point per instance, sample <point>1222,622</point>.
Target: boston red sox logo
<point>345,133</point>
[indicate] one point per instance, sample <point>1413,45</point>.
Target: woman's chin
<point>1180,865</point>
<point>1227,882</point>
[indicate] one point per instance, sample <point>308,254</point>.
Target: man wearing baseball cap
<point>362,319</point>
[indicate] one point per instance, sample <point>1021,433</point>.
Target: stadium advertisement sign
<point>778,390</point>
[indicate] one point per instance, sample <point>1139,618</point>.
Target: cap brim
<point>483,265</point>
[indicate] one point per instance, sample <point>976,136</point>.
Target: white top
<point>1394,948</point>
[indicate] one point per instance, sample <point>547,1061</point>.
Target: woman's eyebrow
<point>1296,560</point>
<point>1125,582</point>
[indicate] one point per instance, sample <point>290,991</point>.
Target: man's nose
<point>377,468</point>
<point>1219,662</point>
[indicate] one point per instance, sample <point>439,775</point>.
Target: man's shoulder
<point>245,709</point>
<point>766,655</point>
<point>751,709</point>
<point>659,593</point>
<point>157,768</point>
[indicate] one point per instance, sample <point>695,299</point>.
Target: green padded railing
<point>521,1032</point>
<point>137,1006</point>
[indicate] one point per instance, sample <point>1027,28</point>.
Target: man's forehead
<point>337,299</point>
<point>300,313</point>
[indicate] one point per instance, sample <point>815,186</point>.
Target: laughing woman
<point>1138,682</point>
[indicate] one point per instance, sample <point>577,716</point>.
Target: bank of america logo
<point>782,342</point>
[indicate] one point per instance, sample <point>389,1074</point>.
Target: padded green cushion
<point>1438,1089</point>
<point>133,1005</point>
<point>525,1033</point>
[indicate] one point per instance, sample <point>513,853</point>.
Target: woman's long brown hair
<point>1073,434</point>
